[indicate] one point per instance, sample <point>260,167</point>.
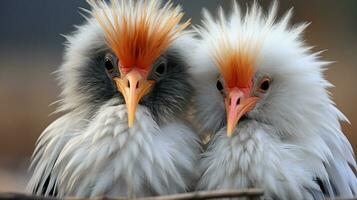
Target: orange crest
<point>237,69</point>
<point>235,55</point>
<point>138,31</point>
<point>234,43</point>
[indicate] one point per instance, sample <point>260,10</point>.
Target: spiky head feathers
<point>246,47</point>
<point>235,43</point>
<point>138,31</point>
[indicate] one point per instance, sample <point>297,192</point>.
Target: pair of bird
<point>131,77</point>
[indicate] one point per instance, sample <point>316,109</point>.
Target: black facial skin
<point>95,83</point>
<point>171,93</point>
<point>167,99</point>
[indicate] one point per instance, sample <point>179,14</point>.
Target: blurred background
<point>31,49</point>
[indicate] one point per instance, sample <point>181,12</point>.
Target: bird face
<point>141,38</point>
<point>133,85</point>
<point>165,89</point>
<point>249,67</point>
<point>239,101</point>
<point>136,83</point>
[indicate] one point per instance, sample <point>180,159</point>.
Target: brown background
<point>31,49</point>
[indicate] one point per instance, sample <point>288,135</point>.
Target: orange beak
<point>238,103</point>
<point>133,86</point>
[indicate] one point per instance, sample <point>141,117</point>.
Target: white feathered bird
<point>125,91</point>
<point>261,92</point>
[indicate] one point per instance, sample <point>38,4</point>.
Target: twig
<point>209,195</point>
<point>339,198</point>
<point>251,193</point>
<point>17,196</point>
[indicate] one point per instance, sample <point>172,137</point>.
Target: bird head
<point>250,67</point>
<point>138,33</point>
<point>130,50</point>
<point>235,82</point>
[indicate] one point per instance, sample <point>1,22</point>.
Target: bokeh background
<point>31,49</point>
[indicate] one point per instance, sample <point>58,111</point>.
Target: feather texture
<point>291,143</point>
<point>90,151</point>
<point>105,157</point>
<point>138,31</point>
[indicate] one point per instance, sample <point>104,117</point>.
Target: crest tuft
<point>234,43</point>
<point>138,31</point>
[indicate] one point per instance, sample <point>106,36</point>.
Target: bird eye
<point>219,85</point>
<point>264,85</point>
<point>109,63</point>
<point>161,68</point>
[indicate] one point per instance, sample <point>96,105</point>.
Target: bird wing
<point>331,156</point>
<point>341,166</point>
<point>48,147</point>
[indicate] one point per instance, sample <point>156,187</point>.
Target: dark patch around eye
<point>172,90</point>
<point>161,68</point>
<point>94,81</point>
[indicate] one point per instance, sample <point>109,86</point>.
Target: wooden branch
<point>250,193</point>
<point>338,198</point>
<point>184,196</point>
<point>209,195</point>
<point>17,196</point>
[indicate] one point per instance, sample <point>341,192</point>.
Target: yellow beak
<point>133,86</point>
<point>237,104</point>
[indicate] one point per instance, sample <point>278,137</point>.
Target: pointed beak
<point>238,103</point>
<point>133,86</point>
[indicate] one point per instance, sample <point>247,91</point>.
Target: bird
<point>125,95</point>
<point>262,99</point>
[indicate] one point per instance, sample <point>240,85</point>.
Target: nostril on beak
<point>238,101</point>
<point>137,85</point>
<point>231,101</point>
<point>128,84</point>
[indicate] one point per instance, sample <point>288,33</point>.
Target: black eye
<point>161,68</point>
<point>219,85</point>
<point>108,63</point>
<point>264,85</point>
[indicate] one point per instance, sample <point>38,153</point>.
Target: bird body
<point>114,160</point>
<point>262,95</point>
<point>124,131</point>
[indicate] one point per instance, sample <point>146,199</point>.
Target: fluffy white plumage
<point>293,135</point>
<point>90,151</point>
<point>105,157</point>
